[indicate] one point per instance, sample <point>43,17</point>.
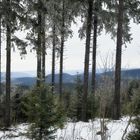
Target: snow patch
<point>76,131</point>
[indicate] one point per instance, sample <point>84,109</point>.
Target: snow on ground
<point>15,133</point>
<point>88,131</point>
<point>77,131</point>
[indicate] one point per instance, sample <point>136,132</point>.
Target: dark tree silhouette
<point>86,63</point>
<point>116,100</point>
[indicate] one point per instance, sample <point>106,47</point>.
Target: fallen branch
<point>125,131</point>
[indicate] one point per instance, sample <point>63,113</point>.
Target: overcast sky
<point>74,54</point>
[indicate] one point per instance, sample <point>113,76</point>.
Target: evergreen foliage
<point>135,134</point>
<point>73,102</point>
<point>44,114</point>
<point>17,108</point>
<point>74,109</point>
<point>48,23</point>
<point>135,110</point>
<point>79,91</point>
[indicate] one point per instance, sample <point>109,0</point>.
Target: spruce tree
<point>116,100</point>
<point>62,49</point>
<point>53,23</point>
<point>36,15</point>
<point>8,63</point>
<point>119,15</point>
<point>12,19</point>
<point>64,15</point>
<point>43,113</point>
<point>86,63</point>
<point>134,109</point>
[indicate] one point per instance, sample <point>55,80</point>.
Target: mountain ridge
<point>29,80</point>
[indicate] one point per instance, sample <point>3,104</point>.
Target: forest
<point>59,106</point>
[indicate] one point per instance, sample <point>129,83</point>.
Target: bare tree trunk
<point>95,26</point>
<point>43,47</point>
<point>61,67</point>
<point>0,58</point>
<point>86,63</point>
<point>62,53</point>
<point>116,100</point>
<point>39,54</point>
<point>53,60</point>
<point>8,66</point>
<point>126,128</point>
<point>93,80</point>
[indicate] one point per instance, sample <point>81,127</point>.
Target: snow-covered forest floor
<point>76,131</point>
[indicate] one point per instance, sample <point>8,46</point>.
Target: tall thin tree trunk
<point>61,67</point>
<point>53,60</point>
<point>0,58</point>
<point>43,47</point>
<point>116,100</point>
<point>95,26</point>
<point>86,63</point>
<point>39,54</point>
<point>62,53</point>
<point>8,66</point>
<point>93,77</point>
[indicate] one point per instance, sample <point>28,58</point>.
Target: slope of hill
<point>67,78</point>
<point>15,75</point>
<point>126,74</point>
<point>24,79</point>
<point>131,74</point>
<point>27,81</point>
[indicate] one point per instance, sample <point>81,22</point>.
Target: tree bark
<point>0,58</point>
<point>93,76</point>
<point>86,63</point>
<point>53,60</point>
<point>39,62</point>
<point>8,66</point>
<point>62,53</point>
<point>95,26</point>
<point>116,100</point>
<point>43,47</point>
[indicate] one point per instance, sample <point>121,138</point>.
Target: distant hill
<point>25,79</point>
<point>2,76</point>
<point>67,78</point>
<point>131,74</point>
<point>126,74</point>
<point>15,75</point>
